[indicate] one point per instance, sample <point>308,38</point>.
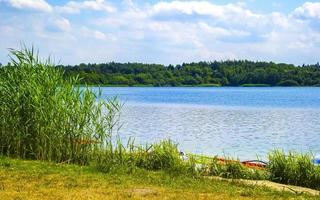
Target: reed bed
<point>161,156</point>
<point>45,117</point>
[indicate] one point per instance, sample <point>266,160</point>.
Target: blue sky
<point>163,31</point>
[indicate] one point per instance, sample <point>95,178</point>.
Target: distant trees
<point>288,83</point>
<point>225,73</point>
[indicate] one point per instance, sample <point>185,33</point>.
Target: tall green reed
<point>45,117</point>
<point>161,156</point>
<point>294,168</point>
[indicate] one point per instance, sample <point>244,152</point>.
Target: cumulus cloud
<point>308,10</point>
<point>77,6</point>
<point>40,5</point>
<point>170,32</point>
<point>231,12</point>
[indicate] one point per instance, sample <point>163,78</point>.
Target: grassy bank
<point>45,180</point>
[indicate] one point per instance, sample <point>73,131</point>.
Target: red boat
<point>255,164</point>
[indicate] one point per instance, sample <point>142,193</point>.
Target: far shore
<point>201,85</point>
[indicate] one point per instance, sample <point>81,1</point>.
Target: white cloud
<point>203,30</point>
<point>77,6</point>
<point>96,34</point>
<point>63,24</point>
<point>280,20</point>
<point>219,12</point>
<point>40,5</point>
<point>221,32</point>
<point>168,32</point>
<point>308,10</point>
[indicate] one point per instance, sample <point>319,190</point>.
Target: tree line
<point>219,73</point>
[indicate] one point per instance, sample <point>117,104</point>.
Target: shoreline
<point>193,86</point>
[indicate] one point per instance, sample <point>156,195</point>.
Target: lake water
<point>237,122</point>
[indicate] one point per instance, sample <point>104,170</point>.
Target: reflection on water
<point>239,122</point>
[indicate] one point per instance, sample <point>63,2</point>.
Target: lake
<point>225,121</point>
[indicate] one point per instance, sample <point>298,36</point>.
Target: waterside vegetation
<point>46,117</point>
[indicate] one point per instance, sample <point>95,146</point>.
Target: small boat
<point>255,164</point>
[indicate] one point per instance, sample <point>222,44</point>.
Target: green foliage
<point>45,117</point>
<point>288,83</point>
<point>294,168</point>
<point>223,73</point>
<point>255,85</point>
<point>162,156</point>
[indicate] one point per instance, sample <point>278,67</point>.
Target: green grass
<point>46,180</point>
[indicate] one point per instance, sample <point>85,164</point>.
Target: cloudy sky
<point>159,31</point>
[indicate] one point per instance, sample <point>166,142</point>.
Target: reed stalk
<point>45,117</point>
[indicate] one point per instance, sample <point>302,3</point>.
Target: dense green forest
<point>219,73</point>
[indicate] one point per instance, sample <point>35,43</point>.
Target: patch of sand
<point>272,185</point>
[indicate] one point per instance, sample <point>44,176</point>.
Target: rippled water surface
<point>239,122</point>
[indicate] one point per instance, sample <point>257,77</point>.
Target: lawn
<point>44,180</point>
